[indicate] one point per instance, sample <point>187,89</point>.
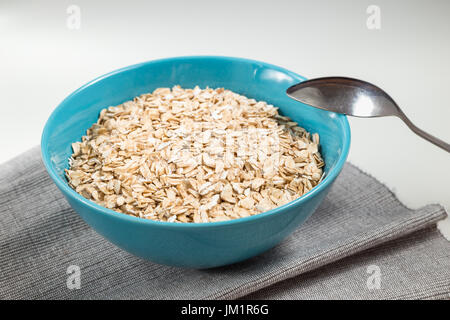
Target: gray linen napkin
<point>41,236</point>
<point>416,266</point>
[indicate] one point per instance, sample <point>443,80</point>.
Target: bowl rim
<point>68,191</point>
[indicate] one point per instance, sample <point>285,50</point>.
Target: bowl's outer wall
<point>210,247</point>
<point>219,244</point>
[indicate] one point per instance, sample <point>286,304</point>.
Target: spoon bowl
<point>356,98</point>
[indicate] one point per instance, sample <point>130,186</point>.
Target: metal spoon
<point>354,97</point>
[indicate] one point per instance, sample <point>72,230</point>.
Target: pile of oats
<point>193,155</point>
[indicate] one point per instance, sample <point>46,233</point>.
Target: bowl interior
<point>253,79</point>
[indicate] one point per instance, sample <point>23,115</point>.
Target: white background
<point>42,61</point>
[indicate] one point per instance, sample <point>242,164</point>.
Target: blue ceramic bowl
<point>201,245</point>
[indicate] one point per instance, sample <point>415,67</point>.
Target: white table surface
<point>42,61</point>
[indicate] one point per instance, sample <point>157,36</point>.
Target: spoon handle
<point>442,144</point>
